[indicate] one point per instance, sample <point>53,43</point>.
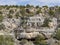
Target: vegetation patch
<point>6,40</point>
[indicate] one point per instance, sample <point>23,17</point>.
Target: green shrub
<point>2,26</point>
<point>40,40</point>
<point>51,13</point>
<point>17,15</point>
<point>11,11</point>
<point>46,21</point>
<point>0,12</point>
<point>37,6</point>
<point>57,35</point>
<point>23,12</point>
<point>1,18</point>
<point>23,41</point>
<point>6,40</point>
<point>38,11</point>
<point>9,16</point>
<point>27,6</point>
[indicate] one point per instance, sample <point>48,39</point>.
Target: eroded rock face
<point>53,24</point>
<point>28,35</point>
<point>11,23</point>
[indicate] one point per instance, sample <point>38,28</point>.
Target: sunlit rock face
<point>28,35</point>
<point>53,23</point>
<point>35,21</point>
<point>11,23</point>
